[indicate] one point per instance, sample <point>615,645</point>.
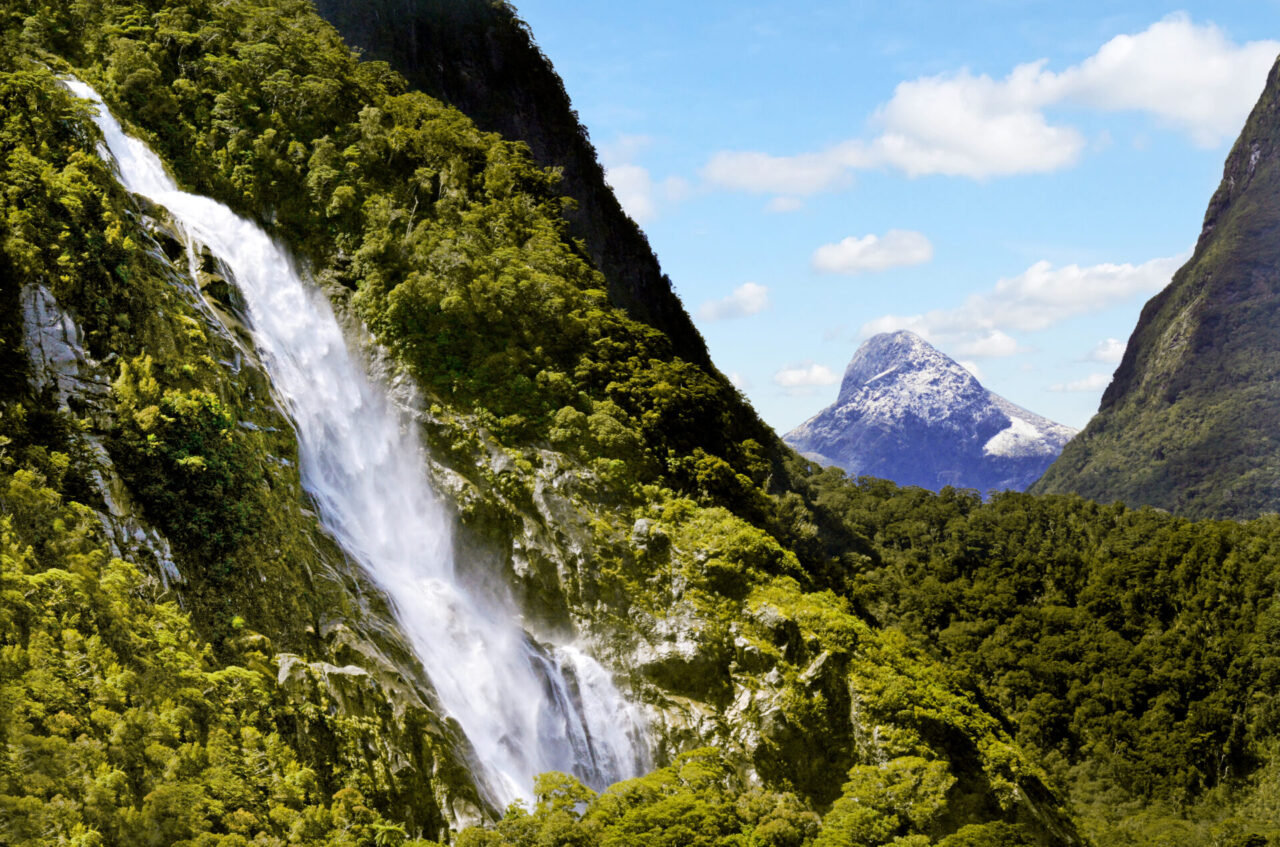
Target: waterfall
<point>525,709</point>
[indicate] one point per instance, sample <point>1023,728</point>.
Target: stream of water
<point>525,708</point>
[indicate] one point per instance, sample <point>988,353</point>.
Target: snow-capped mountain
<point>910,414</point>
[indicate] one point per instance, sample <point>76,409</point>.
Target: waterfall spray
<point>524,709</point>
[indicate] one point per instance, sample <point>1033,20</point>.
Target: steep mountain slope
<point>625,499</point>
<point>908,413</point>
<point>478,56</point>
<point>1189,420</point>
<point>187,656</point>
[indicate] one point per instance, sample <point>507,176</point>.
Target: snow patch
<point>881,374</point>
<point>1020,438</point>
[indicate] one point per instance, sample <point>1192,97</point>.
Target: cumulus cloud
<point>975,126</point>
<point>1043,295</point>
<point>1189,76</point>
<point>803,378</point>
<point>853,255</point>
<point>971,367</point>
<point>803,174</point>
<point>1036,299</point>
<point>993,344</point>
<point>1093,382</point>
<point>739,381</point>
<point>1110,350</point>
<point>633,186</point>
<point>1193,78</point>
<point>640,196</point>
<point>785,204</point>
<point>747,299</point>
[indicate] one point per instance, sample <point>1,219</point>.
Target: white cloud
<point>971,367</point>
<point>640,195</point>
<point>625,148</point>
<point>918,324</point>
<point>1193,78</point>
<point>1189,76</point>
<point>803,174</point>
<point>1093,382</point>
<point>802,379</point>
<point>1110,350</point>
<point>1035,299</point>
<point>747,299</point>
<point>870,253</point>
<point>739,381</point>
<point>992,345</point>
<point>964,125</point>
<point>633,186</point>
<point>1043,295</point>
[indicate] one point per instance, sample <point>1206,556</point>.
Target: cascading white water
<point>524,709</point>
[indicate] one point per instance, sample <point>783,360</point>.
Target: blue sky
<point>1013,180</point>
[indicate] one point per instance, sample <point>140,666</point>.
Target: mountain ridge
<point>1185,423</point>
<point>907,412</point>
<point>481,58</point>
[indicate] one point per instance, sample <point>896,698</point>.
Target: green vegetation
<point>1134,653</point>
<point>186,461</point>
<point>1187,422</point>
<point>874,665</point>
<point>478,56</point>
<point>116,725</point>
<point>690,804</point>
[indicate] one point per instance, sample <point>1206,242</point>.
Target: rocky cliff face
<point>908,413</point>
<point>478,56</point>
<point>1188,423</point>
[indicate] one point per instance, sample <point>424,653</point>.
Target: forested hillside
<point>1186,423</point>
<point>187,657</point>
<point>478,56</point>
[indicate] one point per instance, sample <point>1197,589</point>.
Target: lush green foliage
<point>186,460</point>
<point>1131,652</point>
<point>691,803</point>
<point>116,726</point>
<point>1136,652</point>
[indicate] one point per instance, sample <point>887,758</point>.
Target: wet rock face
<point>55,344</point>
<point>60,365</point>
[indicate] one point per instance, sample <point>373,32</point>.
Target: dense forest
<point>858,664</point>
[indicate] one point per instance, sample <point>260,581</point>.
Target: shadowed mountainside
<point>479,57</point>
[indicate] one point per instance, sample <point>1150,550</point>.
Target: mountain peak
<point>909,413</point>
<point>881,354</point>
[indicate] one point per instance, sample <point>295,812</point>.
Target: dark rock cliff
<point>479,57</point>
<point>1189,422</point>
